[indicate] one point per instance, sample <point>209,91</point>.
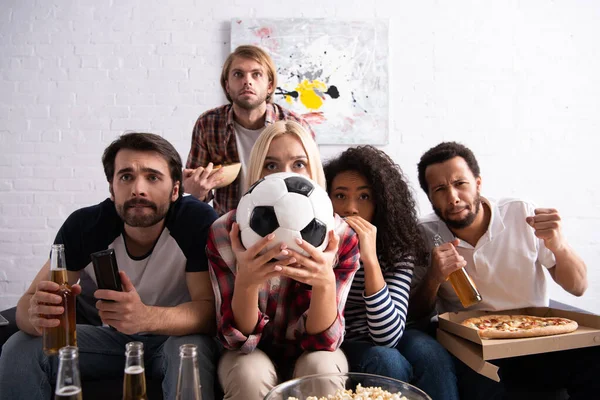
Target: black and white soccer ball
<point>290,205</point>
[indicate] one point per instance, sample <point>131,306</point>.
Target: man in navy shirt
<point>159,239</point>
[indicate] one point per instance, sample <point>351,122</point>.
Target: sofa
<point>109,389</point>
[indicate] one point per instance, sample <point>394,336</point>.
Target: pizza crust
<point>519,326</point>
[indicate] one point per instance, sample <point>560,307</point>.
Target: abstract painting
<point>333,73</point>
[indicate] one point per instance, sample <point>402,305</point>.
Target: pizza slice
<point>518,326</point>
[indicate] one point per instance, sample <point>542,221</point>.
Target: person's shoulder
<point>219,240</point>
<point>98,213</point>
<point>87,230</point>
<point>428,219</point>
<point>190,210</point>
<point>287,114</point>
<point>217,112</point>
<point>224,222</point>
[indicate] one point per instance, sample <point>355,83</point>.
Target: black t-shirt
<point>159,276</point>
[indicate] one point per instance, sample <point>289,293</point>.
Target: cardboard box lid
<point>586,335</point>
<point>469,353</point>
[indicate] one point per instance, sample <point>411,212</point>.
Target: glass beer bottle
<point>461,282</point>
<point>68,384</point>
<point>134,382</point>
<point>65,333</point>
<point>188,381</point>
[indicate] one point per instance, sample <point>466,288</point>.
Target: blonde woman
<point>279,319</point>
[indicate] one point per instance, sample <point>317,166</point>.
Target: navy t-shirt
<point>159,276</point>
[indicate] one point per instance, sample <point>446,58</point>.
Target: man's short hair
<point>444,152</point>
<point>138,141</point>
<point>253,53</point>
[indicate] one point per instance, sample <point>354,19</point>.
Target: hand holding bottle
<point>445,260</point>
<point>45,306</point>
<point>448,264</point>
<point>64,333</point>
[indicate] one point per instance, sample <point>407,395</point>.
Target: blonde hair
<point>253,53</point>
<point>262,144</point>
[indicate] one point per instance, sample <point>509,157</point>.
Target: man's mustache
<point>140,202</point>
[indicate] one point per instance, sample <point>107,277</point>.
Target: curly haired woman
<point>369,190</point>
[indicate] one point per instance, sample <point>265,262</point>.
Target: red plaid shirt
<point>213,140</point>
<point>282,302</point>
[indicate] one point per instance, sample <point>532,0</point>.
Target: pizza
<point>518,326</point>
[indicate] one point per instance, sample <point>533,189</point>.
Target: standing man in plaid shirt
<point>226,134</point>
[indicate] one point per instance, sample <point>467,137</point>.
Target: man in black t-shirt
<point>159,239</point>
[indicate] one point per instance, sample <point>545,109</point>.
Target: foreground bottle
<point>64,334</point>
<point>68,383</point>
<point>188,382</point>
<point>461,282</point>
<point>134,382</point>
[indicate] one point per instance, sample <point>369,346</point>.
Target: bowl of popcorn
<point>345,386</point>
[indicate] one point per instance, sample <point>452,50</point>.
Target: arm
<point>240,321</point>
<point>386,298</point>
<point>570,271</point>
<point>196,316</point>
<point>198,155</point>
<point>31,307</point>
<point>367,240</point>
<point>444,260</point>
<point>322,311</point>
<point>253,271</point>
<point>313,337</point>
<point>390,304</point>
<point>317,271</point>
<point>129,315</point>
<point>223,279</point>
<point>197,178</point>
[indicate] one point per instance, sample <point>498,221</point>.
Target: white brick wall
<point>516,80</point>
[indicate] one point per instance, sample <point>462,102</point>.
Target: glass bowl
<point>327,384</point>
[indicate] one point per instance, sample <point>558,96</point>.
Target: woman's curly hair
<point>395,209</point>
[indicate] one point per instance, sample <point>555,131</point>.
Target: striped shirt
<point>381,317</point>
<point>213,140</point>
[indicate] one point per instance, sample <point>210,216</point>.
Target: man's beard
<point>466,221</point>
<point>249,104</point>
<point>142,221</point>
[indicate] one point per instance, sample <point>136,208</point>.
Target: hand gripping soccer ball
<point>290,205</point>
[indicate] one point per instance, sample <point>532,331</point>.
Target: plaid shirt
<point>282,302</point>
<point>213,140</point>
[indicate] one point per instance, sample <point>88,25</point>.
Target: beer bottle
<point>188,382</point>
<point>461,282</point>
<point>65,333</point>
<point>68,384</point>
<point>134,382</point>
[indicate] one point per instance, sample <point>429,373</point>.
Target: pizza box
<point>467,346</point>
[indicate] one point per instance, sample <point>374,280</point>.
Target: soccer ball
<point>290,205</point>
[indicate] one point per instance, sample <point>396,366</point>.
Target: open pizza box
<point>467,346</point>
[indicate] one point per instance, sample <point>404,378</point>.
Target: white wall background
<point>516,80</point>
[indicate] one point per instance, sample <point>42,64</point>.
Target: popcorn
<point>362,393</point>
